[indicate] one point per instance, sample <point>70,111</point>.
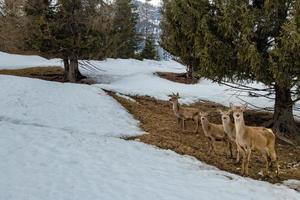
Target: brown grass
<point>157,118</point>
<point>180,78</point>
<point>44,73</point>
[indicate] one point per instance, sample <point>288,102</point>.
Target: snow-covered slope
<point>135,77</point>
<point>60,141</point>
<point>70,107</point>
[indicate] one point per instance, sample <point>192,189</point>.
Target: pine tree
<point>177,33</point>
<point>247,40</point>
<point>124,32</point>
<point>149,51</point>
<point>66,30</point>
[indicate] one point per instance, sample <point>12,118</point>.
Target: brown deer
<point>184,113</point>
<point>212,131</point>
<point>229,129</point>
<point>253,138</point>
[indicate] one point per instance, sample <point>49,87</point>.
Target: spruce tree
<point>149,51</point>
<point>247,40</point>
<point>65,29</point>
<point>178,26</point>
<point>124,29</point>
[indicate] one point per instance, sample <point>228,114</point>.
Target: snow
<point>15,61</point>
<point>292,183</point>
<point>70,107</point>
<point>153,2</point>
<point>62,141</point>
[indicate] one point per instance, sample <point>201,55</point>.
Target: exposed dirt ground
<point>44,73</point>
<point>180,78</point>
<point>157,118</point>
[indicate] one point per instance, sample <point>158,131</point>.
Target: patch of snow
<point>15,61</point>
<point>153,2</point>
<point>292,183</point>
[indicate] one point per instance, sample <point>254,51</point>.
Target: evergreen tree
<point>124,32</point>
<point>178,28</point>
<point>247,40</point>
<point>149,51</point>
<point>65,29</point>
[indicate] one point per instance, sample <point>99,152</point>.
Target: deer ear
<point>220,111</point>
<point>244,107</point>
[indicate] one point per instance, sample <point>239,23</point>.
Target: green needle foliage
<point>149,51</point>
<point>126,38</point>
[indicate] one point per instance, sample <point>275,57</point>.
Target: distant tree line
<point>241,41</point>
<point>71,30</point>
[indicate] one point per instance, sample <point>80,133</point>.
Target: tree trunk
<point>66,68</point>
<point>189,73</point>
<point>283,114</point>
<point>74,74</point>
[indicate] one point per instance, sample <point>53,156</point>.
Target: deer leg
<point>197,125</point>
<point>238,152</point>
<point>265,156</point>
<point>183,124</point>
<point>209,146</point>
<point>247,161</point>
<point>243,152</point>
<point>178,120</point>
<point>275,160</point>
<point>213,145</point>
<point>229,144</point>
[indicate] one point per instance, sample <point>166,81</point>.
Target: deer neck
<point>176,108</point>
<point>240,126</point>
<point>205,124</point>
<point>228,126</point>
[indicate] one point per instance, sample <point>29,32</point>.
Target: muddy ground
<point>157,118</point>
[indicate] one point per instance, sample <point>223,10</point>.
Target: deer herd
<point>244,139</point>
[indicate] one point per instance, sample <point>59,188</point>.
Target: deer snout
<point>237,115</point>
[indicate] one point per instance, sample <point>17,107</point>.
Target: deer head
<point>225,116</point>
<point>203,116</point>
<point>174,97</point>
<point>238,111</point>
